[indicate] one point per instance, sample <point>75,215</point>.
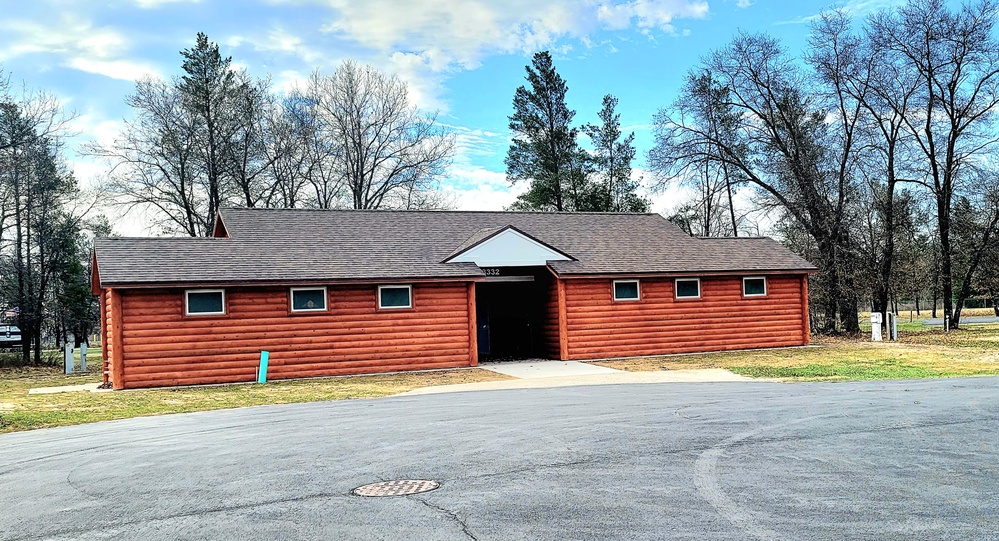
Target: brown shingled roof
<point>292,246</point>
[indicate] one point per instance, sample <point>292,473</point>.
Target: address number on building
<point>491,272</point>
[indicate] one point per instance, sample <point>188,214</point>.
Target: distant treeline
<point>872,155</point>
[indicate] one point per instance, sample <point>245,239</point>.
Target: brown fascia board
<point>669,274</point>
<point>292,283</point>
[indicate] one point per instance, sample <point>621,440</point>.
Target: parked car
<point>10,336</point>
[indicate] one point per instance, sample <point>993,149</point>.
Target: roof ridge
<point>175,237</point>
<point>755,237</point>
<point>542,212</point>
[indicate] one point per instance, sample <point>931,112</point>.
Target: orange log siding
<point>115,347</point>
<point>550,318</point>
<point>104,315</point>
<point>163,347</point>
<point>722,319</point>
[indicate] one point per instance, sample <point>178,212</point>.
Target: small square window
<point>308,299</point>
<point>754,287</point>
<point>395,296</point>
<point>204,302</point>
<point>688,288</point>
<point>626,290</point>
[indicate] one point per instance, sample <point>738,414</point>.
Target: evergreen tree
<point>544,149</point>
<point>208,88</point>
<point>612,161</point>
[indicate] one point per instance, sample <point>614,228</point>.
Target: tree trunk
<point>946,270</point>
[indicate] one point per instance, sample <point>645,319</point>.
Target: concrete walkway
<point>530,375</point>
<point>976,320</point>
<point>616,377</point>
<point>92,387</point>
<point>546,369</point>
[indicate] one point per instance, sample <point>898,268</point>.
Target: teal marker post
<point>262,373</point>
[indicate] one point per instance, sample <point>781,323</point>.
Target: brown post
<point>563,323</point>
<point>104,336</point>
<point>117,352</point>
<point>806,331</point>
<point>473,331</point>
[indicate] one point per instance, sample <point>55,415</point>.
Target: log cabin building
<point>348,292</point>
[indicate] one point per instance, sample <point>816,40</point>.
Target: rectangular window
<point>754,287</point>
<point>688,288</point>
<point>395,296</point>
<point>308,299</point>
<point>204,302</point>
<point>626,290</point>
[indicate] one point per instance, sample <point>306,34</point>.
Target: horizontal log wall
<point>722,319</point>
<point>106,325</point>
<point>550,318</point>
<point>163,347</point>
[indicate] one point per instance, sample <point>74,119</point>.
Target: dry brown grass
<point>21,411</point>
<point>931,353</point>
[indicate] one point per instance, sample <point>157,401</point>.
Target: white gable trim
<point>509,248</point>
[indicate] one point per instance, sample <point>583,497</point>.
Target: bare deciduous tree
<point>780,142</point>
<point>381,145</point>
<point>954,58</point>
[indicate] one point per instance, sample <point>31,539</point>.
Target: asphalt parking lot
<point>872,460</point>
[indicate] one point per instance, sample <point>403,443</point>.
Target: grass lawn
<point>21,411</point>
<point>927,353</point>
<point>922,353</point>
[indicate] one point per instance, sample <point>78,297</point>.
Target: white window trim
<point>638,288</point>
<point>187,310</point>
<point>765,288</point>
<point>676,290</point>
<point>410,305</point>
<point>291,299</point>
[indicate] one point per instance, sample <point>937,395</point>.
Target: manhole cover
<point>400,487</point>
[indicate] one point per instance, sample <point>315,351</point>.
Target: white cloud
<point>743,3</point>
<point>650,14</point>
<point>463,32</point>
<point>855,8</point>
<point>476,188</point>
<point>77,44</point>
<point>153,4</point>
<point>125,70</point>
<point>424,40</point>
<point>280,40</point>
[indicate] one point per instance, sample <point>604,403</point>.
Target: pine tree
<point>544,149</point>
<point>612,161</point>
<point>207,86</point>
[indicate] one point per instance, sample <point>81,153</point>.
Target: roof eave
<point>276,283</point>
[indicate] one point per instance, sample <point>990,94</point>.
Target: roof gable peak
<point>505,246</point>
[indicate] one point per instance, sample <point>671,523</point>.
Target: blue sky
<point>462,57</point>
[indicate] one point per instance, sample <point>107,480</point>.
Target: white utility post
<point>69,359</point>
<point>876,326</point>
<point>83,356</point>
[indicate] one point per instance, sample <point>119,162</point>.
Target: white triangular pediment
<point>509,248</point>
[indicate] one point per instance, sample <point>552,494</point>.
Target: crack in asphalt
<point>193,513</point>
<point>451,515</point>
<point>263,422</point>
<point>742,442</point>
<point>705,468</point>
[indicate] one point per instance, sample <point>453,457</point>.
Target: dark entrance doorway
<point>509,311</point>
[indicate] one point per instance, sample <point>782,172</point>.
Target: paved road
<point>969,320</point>
<point>895,460</point>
